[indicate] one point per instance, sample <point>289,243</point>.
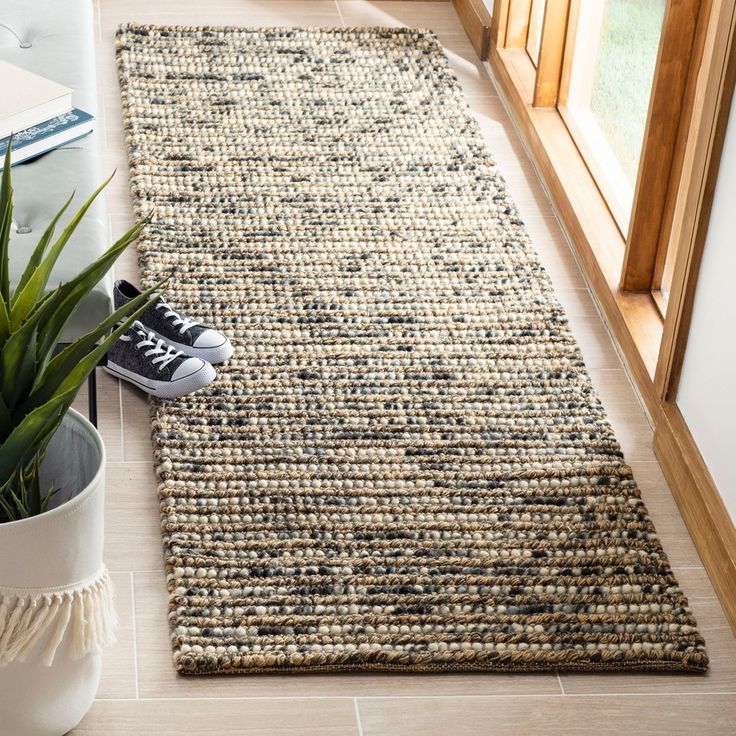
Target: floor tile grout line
<point>140,462</point>
<point>142,571</point>
<point>559,682</point>
<point>146,462</point>
<point>357,716</point>
<point>98,20</point>
<point>434,696</point>
<point>607,694</point>
<point>103,127</point>
<point>122,423</point>
<point>339,12</point>
<point>135,636</point>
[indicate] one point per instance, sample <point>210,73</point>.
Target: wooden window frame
<point>551,50</point>
<point>517,14</point>
<point>535,28</point>
<point>596,238</point>
<point>709,97</point>
<point>623,264</point>
<point>661,160</point>
<point>689,109</point>
<point>692,193</point>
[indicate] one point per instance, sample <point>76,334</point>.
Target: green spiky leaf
<point>5,420</point>
<point>36,284</point>
<point>18,363</point>
<point>36,388</point>
<point>22,443</point>
<point>6,219</point>
<point>63,368</point>
<point>35,260</point>
<point>58,311</point>
<point>4,323</point>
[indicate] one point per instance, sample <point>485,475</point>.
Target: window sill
<point>634,319</point>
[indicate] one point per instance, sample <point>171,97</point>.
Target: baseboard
<point>700,503</point>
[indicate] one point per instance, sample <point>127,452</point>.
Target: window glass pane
<point>609,86</point>
<point>536,21</point>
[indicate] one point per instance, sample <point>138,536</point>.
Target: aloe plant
<point>38,382</point>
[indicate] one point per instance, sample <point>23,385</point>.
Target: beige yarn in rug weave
<point>404,466</point>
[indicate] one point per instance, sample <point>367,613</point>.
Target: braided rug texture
<point>404,466</point>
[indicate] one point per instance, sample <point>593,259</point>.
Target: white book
<point>27,99</point>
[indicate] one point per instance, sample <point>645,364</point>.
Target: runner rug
<point>404,466</point>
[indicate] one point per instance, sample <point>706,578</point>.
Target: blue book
<point>46,136</point>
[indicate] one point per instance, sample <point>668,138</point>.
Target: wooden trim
<point>700,504</point>
<point>711,106</point>
<point>517,24</point>
<point>655,165</point>
<point>587,44</point>
<point>709,98</point>
<point>477,24</point>
<point>692,179</point>
<point>681,142</point>
<point>499,22</point>
<point>551,50</point>
<point>698,140</point>
<point>600,159</point>
<point>536,26</point>
<point>596,240</point>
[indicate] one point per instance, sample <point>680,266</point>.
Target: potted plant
<point>56,609</point>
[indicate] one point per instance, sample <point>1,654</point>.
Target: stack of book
<point>39,114</point>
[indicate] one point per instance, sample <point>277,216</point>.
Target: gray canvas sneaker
<point>184,333</point>
<point>142,358</point>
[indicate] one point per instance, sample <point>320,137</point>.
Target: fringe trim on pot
<point>83,613</point>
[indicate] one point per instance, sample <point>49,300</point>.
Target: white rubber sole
<point>165,389</point>
<point>218,354</point>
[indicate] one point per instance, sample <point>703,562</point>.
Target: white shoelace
<point>164,353</point>
<point>186,322</point>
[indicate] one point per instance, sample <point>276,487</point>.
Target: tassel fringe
<point>84,615</point>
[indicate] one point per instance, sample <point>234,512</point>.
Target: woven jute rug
<point>404,466</point>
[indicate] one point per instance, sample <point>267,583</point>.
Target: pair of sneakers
<point>163,352</point>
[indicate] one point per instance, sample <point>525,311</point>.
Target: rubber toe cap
<point>210,339</point>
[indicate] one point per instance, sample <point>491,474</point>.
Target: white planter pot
<point>56,611</point>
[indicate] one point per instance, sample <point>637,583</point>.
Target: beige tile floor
<point>140,693</point>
